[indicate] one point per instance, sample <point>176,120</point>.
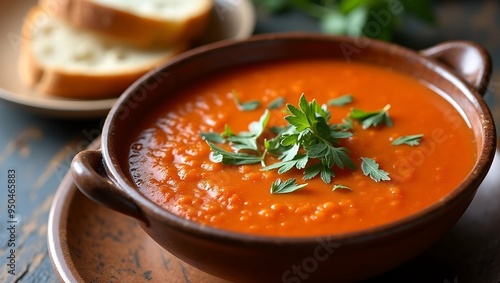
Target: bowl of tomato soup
<point>297,157</point>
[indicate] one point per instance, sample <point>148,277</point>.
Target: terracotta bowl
<point>459,69</point>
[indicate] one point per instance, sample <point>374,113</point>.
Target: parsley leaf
<point>299,162</point>
<point>247,140</point>
<point>277,103</point>
<point>239,142</point>
<point>311,137</point>
<point>286,187</point>
<point>340,186</point>
<point>372,118</point>
<point>371,168</point>
<point>307,143</point>
<point>345,126</point>
<point>298,118</point>
<point>212,137</point>
<point>245,106</point>
<point>341,100</point>
<point>411,140</point>
<point>326,173</point>
<point>330,155</point>
<point>232,158</point>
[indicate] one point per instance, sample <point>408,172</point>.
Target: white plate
<point>231,19</point>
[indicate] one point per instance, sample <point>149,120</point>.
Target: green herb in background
<point>371,18</point>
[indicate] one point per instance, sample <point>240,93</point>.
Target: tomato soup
<point>172,164</point>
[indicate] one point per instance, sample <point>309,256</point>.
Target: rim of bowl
<point>468,186</point>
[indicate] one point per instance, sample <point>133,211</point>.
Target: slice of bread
<point>59,59</point>
<point>138,22</point>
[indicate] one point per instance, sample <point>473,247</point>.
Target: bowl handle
<point>468,60</point>
<point>84,168</point>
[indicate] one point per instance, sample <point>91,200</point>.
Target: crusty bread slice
<point>59,59</point>
<point>139,22</point>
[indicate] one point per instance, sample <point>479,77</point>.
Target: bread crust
<point>127,27</point>
<point>70,84</point>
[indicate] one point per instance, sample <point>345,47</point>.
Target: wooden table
<point>37,152</point>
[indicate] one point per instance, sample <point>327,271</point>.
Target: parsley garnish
<point>346,125</point>
<point>245,106</point>
<point>372,118</point>
<point>286,187</point>
<point>212,137</point>
<point>340,186</point>
<point>247,140</point>
<point>371,168</point>
<point>341,100</point>
<point>232,158</point>
<point>309,143</point>
<point>411,140</point>
<point>310,137</point>
<point>244,141</point>
<point>277,103</point>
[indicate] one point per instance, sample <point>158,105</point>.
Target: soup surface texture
<point>171,163</point>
